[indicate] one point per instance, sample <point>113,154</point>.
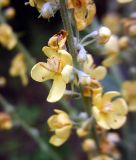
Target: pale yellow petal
<point>48,51</point>
<point>64,119</point>
<point>109,61</point>
<point>100,118</point>
<point>107,97</point>
<point>65,57</point>
<point>90,60</point>
<point>115,121</point>
<point>88,64</point>
<point>66,73</point>
<point>52,122</point>
<point>58,111</point>
<point>64,132</point>
<point>97,101</point>
<point>98,73</point>
<point>56,141</point>
<point>57,90</point>
<point>119,106</point>
<point>40,73</point>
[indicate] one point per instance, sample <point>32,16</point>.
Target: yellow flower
<point>58,68</point>
<point>97,73</point>
<point>111,50</point>
<point>58,40</point>
<point>129,93</point>
<point>7,37</point>
<point>124,1</point>
<point>19,68</point>
<point>109,114</point>
<point>102,157</point>
<point>61,124</point>
<point>84,12</point>
<point>5,121</point>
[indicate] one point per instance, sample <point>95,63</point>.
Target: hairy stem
<point>67,26</point>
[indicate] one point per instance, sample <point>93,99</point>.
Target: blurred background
<point>30,100</point>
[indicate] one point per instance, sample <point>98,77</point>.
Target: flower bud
<point>48,10</point>
<point>81,132</point>
<point>82,55</point>
<point>104,35</point>
<point>123,42</point>
<point>83,116</point>
<point>88,145</point>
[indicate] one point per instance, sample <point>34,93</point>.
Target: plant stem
<point>67,26</point>
<point>33,132</point>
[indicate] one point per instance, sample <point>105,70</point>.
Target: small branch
<point>33,132</point>
<point>89,42</point>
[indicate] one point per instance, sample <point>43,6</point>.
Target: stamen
<point>53,64</point>
<point>107,107</point>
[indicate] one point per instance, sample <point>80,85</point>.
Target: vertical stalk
<point>67,26</point>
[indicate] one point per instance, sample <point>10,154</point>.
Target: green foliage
<point>28,113</point>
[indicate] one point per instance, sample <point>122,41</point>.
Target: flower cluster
<point>104,110</point>
<point>71,65</point>
<point>109,113</point>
